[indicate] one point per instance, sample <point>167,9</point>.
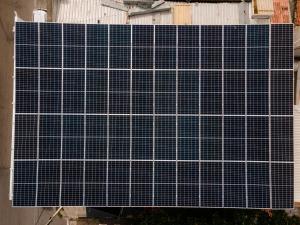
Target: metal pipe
<point>52,217</point>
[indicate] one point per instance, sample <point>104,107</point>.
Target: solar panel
<point>153,115</point>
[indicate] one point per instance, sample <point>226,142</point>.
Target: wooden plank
<point>49,10</point>
<point>262,9</point>
<point>297,204</point>
<point>182,14</point>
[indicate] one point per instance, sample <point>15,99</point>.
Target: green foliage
<point>168,216</point>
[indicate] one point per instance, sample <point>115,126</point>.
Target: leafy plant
<point>170,216</point>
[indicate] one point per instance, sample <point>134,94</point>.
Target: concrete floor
<point>9,215</point>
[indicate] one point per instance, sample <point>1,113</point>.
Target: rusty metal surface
<point>281,11</point>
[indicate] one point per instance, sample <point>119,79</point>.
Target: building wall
<point>297,153</point>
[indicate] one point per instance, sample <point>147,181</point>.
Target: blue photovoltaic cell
<point>153,115</point>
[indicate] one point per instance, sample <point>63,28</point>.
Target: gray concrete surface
<point>9,215</point>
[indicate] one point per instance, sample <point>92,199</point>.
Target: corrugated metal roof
<point>87,11</point>
<point>223,13</point>
<point>156,18</point>
<point>142,19</point>
<point>210,1</point>
<point>91,11</point>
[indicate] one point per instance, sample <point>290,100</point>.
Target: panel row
<point>66,156</point>
<point>162,103</point>
<point>147,172</point>
<point>148,35</point>
<point>164,176</point>
<point>145,58</point>
<point>163,146</point>
<point>157,80</point>
<point>142,126</point>
<point>97,148</point>
<point>164,195</point>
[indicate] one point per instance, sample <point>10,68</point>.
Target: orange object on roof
<point>282,11</point>
<point>297,16</point>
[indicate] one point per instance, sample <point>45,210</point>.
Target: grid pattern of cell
<point>144,115</point>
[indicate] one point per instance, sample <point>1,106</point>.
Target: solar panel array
<point>153,115</point>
